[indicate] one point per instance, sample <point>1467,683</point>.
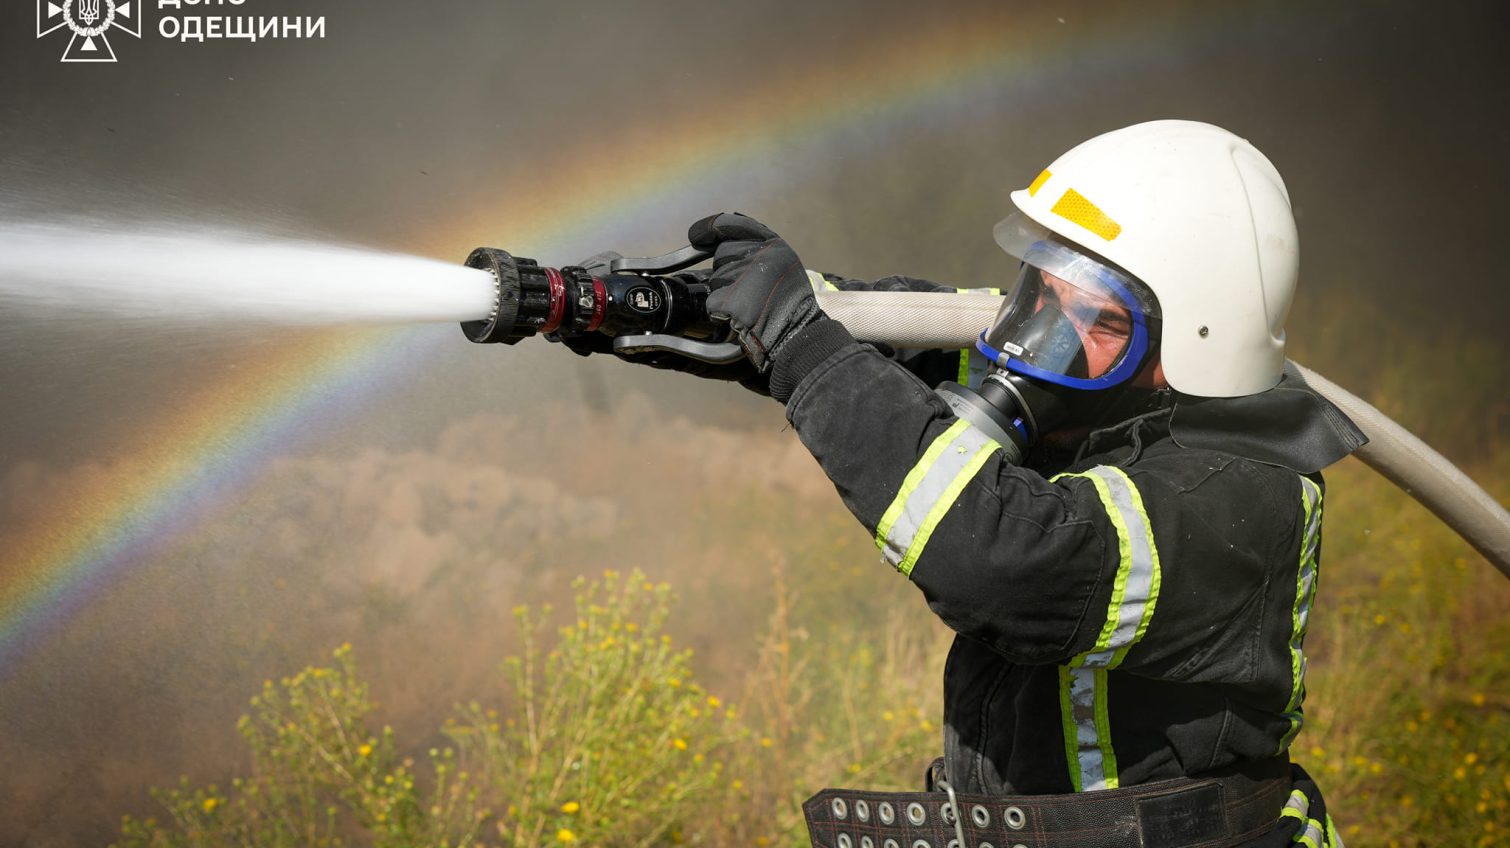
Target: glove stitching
<point>766,308</point>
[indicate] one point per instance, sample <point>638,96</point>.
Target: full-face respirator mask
<point>1067,342</point>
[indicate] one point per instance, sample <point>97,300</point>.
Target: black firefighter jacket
<point>1132,613</point>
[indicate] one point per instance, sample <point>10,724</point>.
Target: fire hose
<point>631,300</point>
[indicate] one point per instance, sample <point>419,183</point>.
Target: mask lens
<point>1068,315</point>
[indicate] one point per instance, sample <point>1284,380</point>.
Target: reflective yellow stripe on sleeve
<point>1300,612</point>
<point>1135,592</point>
<point>1312,833</point>
<point>928,491</point>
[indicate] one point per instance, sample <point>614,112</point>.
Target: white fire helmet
<point>1199,217</point>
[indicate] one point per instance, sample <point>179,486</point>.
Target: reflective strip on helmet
<point>1038,182</point>
<point>1300,612</point>
<point>973,363</point>
<point>1073,207</point>
<point>928,492</point>
<point>820,282</point>
<point>1087,729</point>
<point>1135,590</point>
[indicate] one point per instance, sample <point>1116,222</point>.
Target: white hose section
<point>1424,474</point>
<point>930,320</point>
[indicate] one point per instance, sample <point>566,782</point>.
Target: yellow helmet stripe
<point>1038,182</point>
<point>1073,207</point>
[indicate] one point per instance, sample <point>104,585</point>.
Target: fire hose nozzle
<point>499,325</point>
<point>625,298</point>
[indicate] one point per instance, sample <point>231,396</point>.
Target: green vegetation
<point>1408,714</point>
<point>611,739</point>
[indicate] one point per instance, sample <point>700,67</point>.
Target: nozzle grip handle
<point>721,353</point>
<point>676,260</point>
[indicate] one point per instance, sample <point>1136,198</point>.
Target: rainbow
<point>222,437</point>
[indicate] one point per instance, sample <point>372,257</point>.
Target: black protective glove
<point>759,284</point>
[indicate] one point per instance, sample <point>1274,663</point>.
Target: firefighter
<point>1128,545</point>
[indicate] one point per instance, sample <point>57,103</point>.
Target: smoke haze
<point>411,514</point>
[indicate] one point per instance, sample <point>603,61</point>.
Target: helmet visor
<point>1071,319</point>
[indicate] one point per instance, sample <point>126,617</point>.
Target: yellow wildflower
<point>714,702</point>
<point>1478,699</point>
<point>681,744</point>
<point>570,807</point>
<point>765,742</point>
<point>564,835</point>
<point>210,804</point>
<point>364,750</point>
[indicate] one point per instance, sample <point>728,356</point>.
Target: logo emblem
<point>643,300</point>
<point>90,22</point>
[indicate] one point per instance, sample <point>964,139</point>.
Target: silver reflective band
<point>1136,590</point>
<point>928,491</point>
<point>1088,739</point>
<point>1135,594</point>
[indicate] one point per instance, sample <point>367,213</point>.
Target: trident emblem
<point>89,23</point>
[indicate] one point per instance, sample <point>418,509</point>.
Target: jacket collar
<point>1290,425</point>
